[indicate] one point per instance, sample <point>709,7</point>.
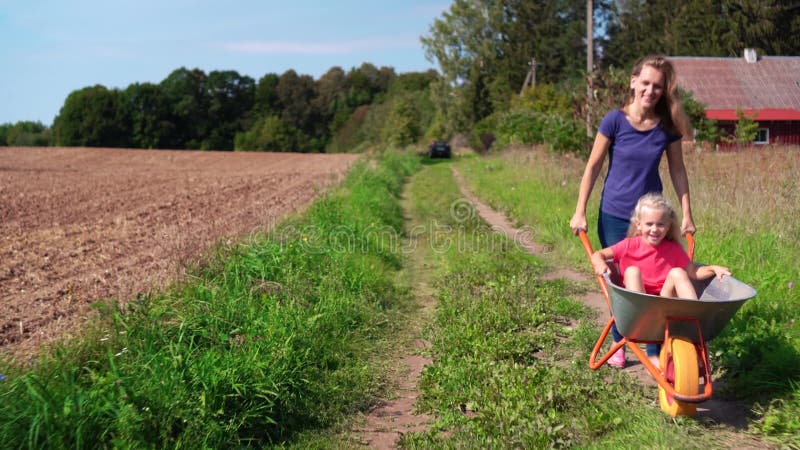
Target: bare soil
<point>78,225</point>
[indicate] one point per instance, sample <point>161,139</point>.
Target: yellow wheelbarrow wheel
<point>679,362</point>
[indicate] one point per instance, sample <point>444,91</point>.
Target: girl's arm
<point>599,260</point>
<point>680,181</point>
<point>593,166</point>
<point>697,272</point>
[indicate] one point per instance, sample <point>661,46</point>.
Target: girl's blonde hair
<point>668,108</point>
<point>656,202</point>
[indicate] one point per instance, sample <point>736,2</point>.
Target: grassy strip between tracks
<point>511,348</point>
<point>745,205</point>
<point>264,340</point>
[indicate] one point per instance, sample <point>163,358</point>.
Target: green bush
<point>565,135</point>
<point>268,134</point>
<point>402,125</point>
<point>521,127</point>
<point>483,134</point>
<point>540,115</point>
<point>529,127</point>
<point>25,134</point>
<point>544,98</point>
<point>345,138</point>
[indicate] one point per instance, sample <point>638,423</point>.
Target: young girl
<point>651,260</point>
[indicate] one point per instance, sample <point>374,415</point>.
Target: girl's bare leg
<point>632,279</point>
<point>678,285</point>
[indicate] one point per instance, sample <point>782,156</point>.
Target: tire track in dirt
<point>732,416</point>
<point>391,418</point>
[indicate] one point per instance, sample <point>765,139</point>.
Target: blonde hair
<point>656,202</point>
<point>669,108</point>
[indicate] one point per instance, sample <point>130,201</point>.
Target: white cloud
<point>319,48</point>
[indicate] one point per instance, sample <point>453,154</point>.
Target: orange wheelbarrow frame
<point>695,319</point>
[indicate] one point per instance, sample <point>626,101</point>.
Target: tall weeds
<point>746,204</point>
<point>266,339</point>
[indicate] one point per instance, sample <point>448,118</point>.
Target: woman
<point>635,137</point>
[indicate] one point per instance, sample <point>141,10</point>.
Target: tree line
<point>486,52</point>
<point>485,49</point>
<point>223,110</point>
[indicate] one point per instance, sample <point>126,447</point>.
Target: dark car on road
<point>439,149</point>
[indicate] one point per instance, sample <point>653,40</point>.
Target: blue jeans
<point>610,230</point>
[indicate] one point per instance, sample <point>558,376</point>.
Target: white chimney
<point>750,55</point>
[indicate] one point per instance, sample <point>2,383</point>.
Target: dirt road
<point>78,225</point>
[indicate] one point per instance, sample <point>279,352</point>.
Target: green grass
<point>511,349</point>
<point>753,231</point>
<point>275,342</point>
<point>266,340</point>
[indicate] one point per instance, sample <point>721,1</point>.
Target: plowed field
<point>78,225</point>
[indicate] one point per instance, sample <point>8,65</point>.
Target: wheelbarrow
<point>682,326</point>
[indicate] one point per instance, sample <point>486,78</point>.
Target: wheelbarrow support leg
<point>593,364</point>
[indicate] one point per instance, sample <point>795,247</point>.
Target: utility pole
<point>533,72</point>
<point>589,65</point>
<point>530,78</point>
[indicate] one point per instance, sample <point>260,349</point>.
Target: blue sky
<point>49,48</point>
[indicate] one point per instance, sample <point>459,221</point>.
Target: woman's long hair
<point>668,108</point>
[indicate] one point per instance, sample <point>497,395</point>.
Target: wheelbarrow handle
<point>586,244</point>
<point>690,245</point>
<point>600,280</point>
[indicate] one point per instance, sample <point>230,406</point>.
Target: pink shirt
<point>654,262</point>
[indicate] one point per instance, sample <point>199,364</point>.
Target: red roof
<point>768,83</point>
<point>761,115</point>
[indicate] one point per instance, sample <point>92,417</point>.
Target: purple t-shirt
<point>633,158</point>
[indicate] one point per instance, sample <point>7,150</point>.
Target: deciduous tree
<point>330,102</point>
<point>25,134</point>
<point>484,49</point>
<point>295,95</point>
<point>92,117</point>
<point>266,101</point>
<point>185,92</point>
<point>267,134</point>
<point>149,114</point>
<point>230,99</point>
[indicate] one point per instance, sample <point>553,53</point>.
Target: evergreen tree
<point>700,28</point>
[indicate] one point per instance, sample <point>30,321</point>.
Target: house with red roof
<point>765,88</point>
